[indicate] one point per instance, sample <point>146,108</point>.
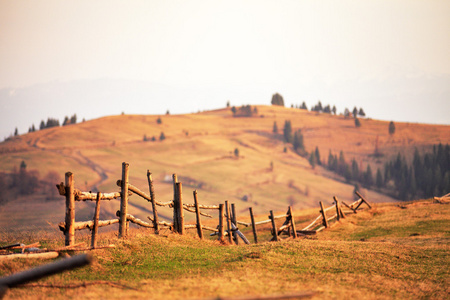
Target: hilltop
<point>200,148</point>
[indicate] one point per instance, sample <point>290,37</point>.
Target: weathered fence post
<point>221,239</point>
<point>180,217</point>
<point>274,227</point>
<point>253,225</point>
<point>96,217</point>
<point>70,210</point>
<point>228,211</point>
<point>175,205</point>
<point>124,201</point>
<point>153,198</point>
<point>234,221</point>
<point>363,200</point>
<point>292,223</point>
<point>338,213</point>
<point>197,212</point>
<point>324,216</point>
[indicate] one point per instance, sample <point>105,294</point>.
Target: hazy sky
<point>372,54</point>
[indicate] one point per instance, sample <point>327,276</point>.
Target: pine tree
<point>317,154</point>
<point>287,131</point>
<point>162,136</point>
<point>357,123</point>
<point>379,179</point>
<point>355,112</point>
<point>275,127</point>
<point>312,160</point>
<point>277,99</point>
<point>391,128</point>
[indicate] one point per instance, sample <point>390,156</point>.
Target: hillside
<point>200,149</point>
<point>387,252</point>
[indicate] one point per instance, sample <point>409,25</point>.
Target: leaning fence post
<point>95,227</point>
<point>180,209</point>
<point>228,211</point>
<point>152,197</point>
<point>123,201</point>
<point>362,198</point>
<point>197,212</point>
<point>221,239</point>
<point>274,227</point>
<point>324,216</point>
<point>70,210</point>
<point>234,221</point>
<point>292,223</point>
<point>253,225</point>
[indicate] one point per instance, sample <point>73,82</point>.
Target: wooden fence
<point>226,213</point>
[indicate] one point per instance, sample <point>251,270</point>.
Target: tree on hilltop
<point>277,99</point>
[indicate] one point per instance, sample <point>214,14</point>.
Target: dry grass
<point>205,155</point>
<point>385,253</point>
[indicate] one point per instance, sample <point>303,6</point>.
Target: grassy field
<point>388,252</point>
<point>201,147</point>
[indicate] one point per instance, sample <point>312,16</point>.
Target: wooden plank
<point>175,204</point>
<point>180,208</point>
<point>221,225</point>
<point>199,220</point>
<point>255,236</point>
<point>228,216</point>
<point>153,200</point>
<point>96,216</point>
<point>124,201</point>
<point>239,234</point>
<point>291,216</point>
<point>349,207</point>
<point>70,210</point>
<point>338,213</point>
<point>40,255</point>
<point>88,224</point>
<point>233,221</point>
<point>312,223</point>
<point>274,227</point>
<point>363,199</point>
<point>322,211</point>
<point>132,189</point>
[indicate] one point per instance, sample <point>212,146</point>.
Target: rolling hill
<point>200,149</point>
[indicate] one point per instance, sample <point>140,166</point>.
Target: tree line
<point>22,182</point>
<point>427,175</point>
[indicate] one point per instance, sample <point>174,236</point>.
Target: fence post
<point>363,200</point>
<point>197,212</point>
<point>153,198</point>
<point>227,208</point>
<point>70,210</point>
<point>292,223</point>
<point>175,205</point>
<point>234,221</point>
<point>123,201</point>
<point>324,216</point>
<point>221,239</point>
<point>338,213</point>
<point>253,225</point>
<point>274,227</point>
<point>95,227</point>
<point>180,209</point>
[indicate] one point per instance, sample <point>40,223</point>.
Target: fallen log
<point>46,270</point>
<point>41,255</point>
